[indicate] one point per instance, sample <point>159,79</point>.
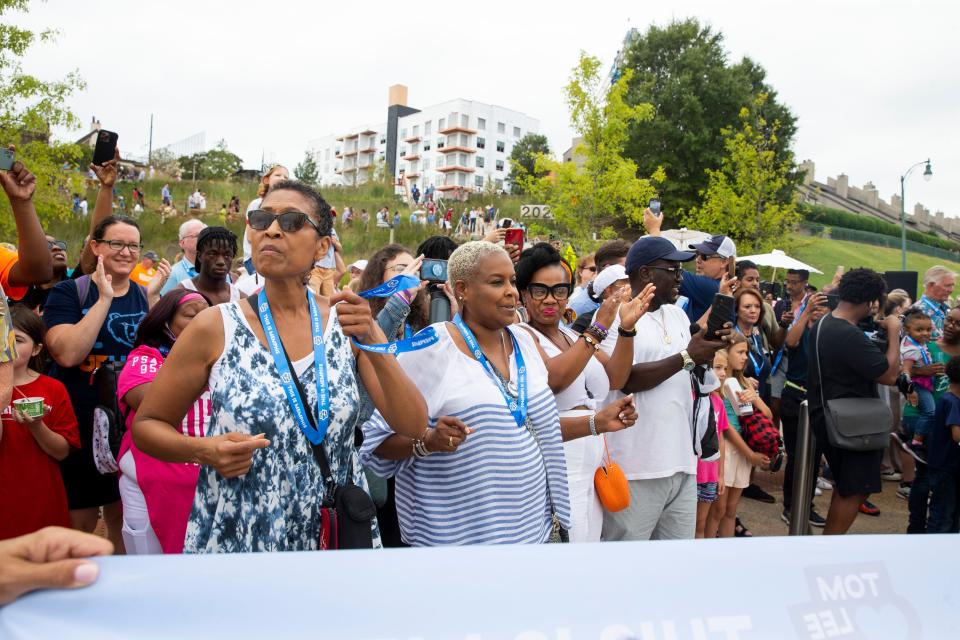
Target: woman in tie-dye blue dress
<point>260,488</point>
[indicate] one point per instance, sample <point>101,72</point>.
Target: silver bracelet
<point>593,424</point>
<point>420,447</point>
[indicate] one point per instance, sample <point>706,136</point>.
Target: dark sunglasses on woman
<point>539,291</point>
<point>289,221</point>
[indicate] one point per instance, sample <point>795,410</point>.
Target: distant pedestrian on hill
<point>165,195</point>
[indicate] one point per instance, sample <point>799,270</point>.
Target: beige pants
<point>321,281</point>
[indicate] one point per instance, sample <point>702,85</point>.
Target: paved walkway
<point>764,519</point>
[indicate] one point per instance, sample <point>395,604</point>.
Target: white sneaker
<point>891,476</point>
<point>817,491</point>
<point>824,484</point>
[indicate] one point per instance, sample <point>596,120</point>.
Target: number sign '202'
<point>539,211</point>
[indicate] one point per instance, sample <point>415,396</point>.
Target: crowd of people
<point>518,398</point>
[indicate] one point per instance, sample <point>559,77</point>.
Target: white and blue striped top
<point>494,488</point>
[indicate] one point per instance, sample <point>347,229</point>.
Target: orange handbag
<point>611,485</point>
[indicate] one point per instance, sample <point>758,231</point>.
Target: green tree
<point>742,198</point>
<point>215,164</point>
<point>523,159</point>
<point>306,171</point>
<point>604,190</point>
<point>683,70</point>
<point>30,109</point>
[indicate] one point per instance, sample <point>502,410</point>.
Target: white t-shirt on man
<point>660,444</point>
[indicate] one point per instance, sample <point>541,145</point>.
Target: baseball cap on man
<point>720,245</point>
<point>151,255</point>
<point>650,248</point>
<point>359,264</point>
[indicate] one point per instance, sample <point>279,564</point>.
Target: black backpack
<point>109,422</point>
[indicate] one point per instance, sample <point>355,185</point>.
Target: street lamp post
<point>927,174</point>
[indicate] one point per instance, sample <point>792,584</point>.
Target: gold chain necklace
<point>663,325</point>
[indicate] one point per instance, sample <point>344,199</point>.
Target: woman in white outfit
<point>580,375</point>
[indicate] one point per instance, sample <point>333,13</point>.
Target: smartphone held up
<point>6,159</point>
<point>106,147</point>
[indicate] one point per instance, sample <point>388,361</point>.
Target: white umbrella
<point>778,260</point>
<point>682,238</point>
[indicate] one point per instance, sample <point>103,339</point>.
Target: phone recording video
<point>6,159</point>
<point>433,270</point>
<point>514,236</point>
<point>654,207</point>
<point>720,314</point>
<point>106,147</point>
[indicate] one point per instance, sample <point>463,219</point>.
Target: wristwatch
<point>688,363</point>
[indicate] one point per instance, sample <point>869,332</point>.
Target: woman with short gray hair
<point>489,468</point>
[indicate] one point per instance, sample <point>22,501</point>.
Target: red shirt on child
<point>31,488</point>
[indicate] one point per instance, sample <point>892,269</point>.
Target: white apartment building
<point>348,158</point>
<point>458,145</point>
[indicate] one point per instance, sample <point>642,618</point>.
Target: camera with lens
<point>876,332</point>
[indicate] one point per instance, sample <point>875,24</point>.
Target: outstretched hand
<point>107,172</point>
<point>18,183</point>
<point>51,558</point>
<point>633,309</point>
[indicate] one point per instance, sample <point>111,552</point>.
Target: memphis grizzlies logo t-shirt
<point>114,341</point>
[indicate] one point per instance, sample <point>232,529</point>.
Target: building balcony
<point>464,149</point>
<point>352,152</point>
<point>457,129</point>
<point>350,136</point>
<point>451,187</point>
<point>411,176</point>
<point>372,149</point>
<point>368,132</point>
<point>455,168</point>
<point>412,139</point>
<point>348,169</point>
<point>411,157</point>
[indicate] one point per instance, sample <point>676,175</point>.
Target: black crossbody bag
<point>347,512</point>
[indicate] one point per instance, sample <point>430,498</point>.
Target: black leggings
<point>790,401</point>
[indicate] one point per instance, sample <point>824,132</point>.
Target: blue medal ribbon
<point>410,342</point>
<point>517,406</point>
<point>422,340</point>
<point>317,435</point>
<point>783,350</point>
<point>924,355</point>
<point>391,286</point>
<point>754,341</point>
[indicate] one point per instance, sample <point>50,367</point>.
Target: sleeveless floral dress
<point>276,505</point>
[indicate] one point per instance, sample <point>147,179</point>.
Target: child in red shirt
<point>31,488</point>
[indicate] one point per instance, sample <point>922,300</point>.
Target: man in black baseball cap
<point>660,460</point>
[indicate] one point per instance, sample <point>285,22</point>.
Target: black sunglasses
<point>539,291</point>
<point>260,220</point>
<point>59,244</point>
<point>676,272</point>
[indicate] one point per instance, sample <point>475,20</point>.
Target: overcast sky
<point>875,85</point>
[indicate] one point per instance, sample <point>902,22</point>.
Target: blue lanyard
<point>391,286</point>
<point>517,406</point>
<point>410,342</point>
<point>936,313</point>
<point>924,355</point>
<point>315,435</point>
<point>783,350</point>
<point>754,341</point>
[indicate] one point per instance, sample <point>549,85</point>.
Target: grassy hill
<point>823,253</point>
<point>826,254</point>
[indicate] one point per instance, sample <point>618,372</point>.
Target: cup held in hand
<point>31,407</point>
